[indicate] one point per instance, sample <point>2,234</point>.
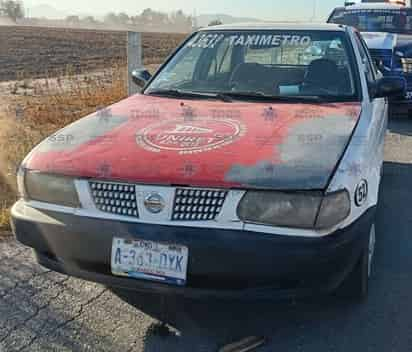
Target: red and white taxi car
<point>249,166</point>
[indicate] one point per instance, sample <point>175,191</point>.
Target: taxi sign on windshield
<point>209,40</point>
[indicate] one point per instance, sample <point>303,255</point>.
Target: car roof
<point>375,6</point>
<point>277,26</point>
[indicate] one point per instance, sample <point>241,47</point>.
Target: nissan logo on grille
<point>154,203</point>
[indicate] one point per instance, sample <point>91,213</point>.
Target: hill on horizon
<point>50,12</point>
<point>204,19</point>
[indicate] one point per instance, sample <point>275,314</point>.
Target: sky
<point>264,9</point>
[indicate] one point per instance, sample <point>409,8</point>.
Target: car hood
<point>156,140</point>
<point>380,40</point>
<point>389,41</point>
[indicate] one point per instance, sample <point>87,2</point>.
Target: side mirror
<point>390,87</point>
<point>141,77</point>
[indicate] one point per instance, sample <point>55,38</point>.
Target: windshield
<point>265,63</point>
<point>376,20</point>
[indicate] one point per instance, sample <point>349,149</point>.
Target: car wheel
<point>356,284</point>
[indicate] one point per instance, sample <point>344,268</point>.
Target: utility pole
<point>314,10</point>
<point>195,19</point>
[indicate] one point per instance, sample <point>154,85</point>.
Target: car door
<point>360,168</point>
<point>378,106</point>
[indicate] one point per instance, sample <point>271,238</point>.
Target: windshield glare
<point>273,63</point>
<point>391,20</point>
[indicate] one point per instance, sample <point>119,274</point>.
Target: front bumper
<point>222,263</point>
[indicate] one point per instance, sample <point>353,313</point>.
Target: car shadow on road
<point>394,219</point>
<point>318,322</point>
<point>210,324</point>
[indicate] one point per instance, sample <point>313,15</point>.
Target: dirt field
<point>33,108</point>
<point>28,52</point>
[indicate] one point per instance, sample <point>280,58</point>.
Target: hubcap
<point>371,248</point>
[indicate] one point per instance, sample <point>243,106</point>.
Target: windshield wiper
<point>282,98</point>
<point>179,93</point>
<point>246,95</point>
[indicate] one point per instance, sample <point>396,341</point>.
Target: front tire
<point>356,285</point>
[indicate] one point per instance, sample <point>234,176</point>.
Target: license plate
<point>149,260</point>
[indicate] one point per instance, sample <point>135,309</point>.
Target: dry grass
<point>31,110</point>
<point>35,109</point>
<point>38,50</point>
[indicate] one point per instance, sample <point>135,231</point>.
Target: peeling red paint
<point>171,141</point>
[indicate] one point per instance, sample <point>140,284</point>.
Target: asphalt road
<point>44,311</point>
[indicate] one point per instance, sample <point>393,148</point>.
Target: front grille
<point>407,65</point>
<point>114,198</point>
<point>384,55</point>
<point>197,204</point>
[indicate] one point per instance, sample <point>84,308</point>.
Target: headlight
<point>308,210</point>
<point>406,64</point>
<point>49,188</point>
<point>334,209</point>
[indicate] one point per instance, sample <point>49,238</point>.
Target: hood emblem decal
<point>200,135</point>
<point>154,203</point>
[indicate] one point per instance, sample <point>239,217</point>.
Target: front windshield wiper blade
<point>315,98</point>
<point>179,93</point>
<point>246,95</point>
<point>282,98</point>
